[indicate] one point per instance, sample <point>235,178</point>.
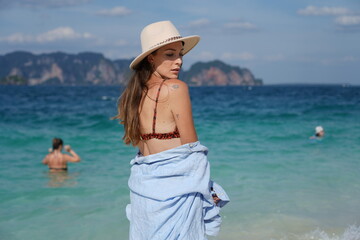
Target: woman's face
<point>167,60</point>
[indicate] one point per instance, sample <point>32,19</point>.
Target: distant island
<point>88,68</point>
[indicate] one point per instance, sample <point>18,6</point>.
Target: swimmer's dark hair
<point>57,142</point>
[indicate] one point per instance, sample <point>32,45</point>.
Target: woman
<point>169,181</point>
<point>155,92</point>
<point>57,161</point>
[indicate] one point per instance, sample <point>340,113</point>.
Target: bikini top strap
<point>156,102</point>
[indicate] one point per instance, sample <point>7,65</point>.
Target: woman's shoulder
<point>177,87</point>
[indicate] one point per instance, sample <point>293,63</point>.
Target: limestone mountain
<point>217,73</point>
<point>88,68</point>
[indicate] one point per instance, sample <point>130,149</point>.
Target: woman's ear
<point>150,59</point>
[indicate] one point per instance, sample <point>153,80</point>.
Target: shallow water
<point>282,185</point>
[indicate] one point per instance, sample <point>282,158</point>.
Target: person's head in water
<point>57,144</point>
<point>319,131</point>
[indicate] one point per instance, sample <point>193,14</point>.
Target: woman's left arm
<point>181,108</point>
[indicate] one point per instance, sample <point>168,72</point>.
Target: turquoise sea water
<point>282,185</point>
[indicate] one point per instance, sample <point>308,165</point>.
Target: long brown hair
<point>130,100</point>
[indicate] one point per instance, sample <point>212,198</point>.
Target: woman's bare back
<point>57,161</point>
<point>164,122</point>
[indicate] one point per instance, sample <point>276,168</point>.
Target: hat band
<point>165,41</point>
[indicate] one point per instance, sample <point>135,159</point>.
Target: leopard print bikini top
<point>161,136</point>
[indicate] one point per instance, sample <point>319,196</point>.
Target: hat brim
<point>189,43</point>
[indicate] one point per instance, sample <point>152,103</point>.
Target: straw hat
<point>159,34</point>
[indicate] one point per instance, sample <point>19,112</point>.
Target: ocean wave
<point>351,233</point>
<point>108,98</point>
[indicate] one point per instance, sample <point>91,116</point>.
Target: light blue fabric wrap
<point>170,195</point>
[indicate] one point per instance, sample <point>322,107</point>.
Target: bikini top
<point>161,136</point>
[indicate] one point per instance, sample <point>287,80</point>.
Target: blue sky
<point>280,41</point>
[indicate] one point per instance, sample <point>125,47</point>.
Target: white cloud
<point>327,61</point>
<point>204,56</point>
<point>16,38</point>
<point>121,43</point>
<point>323,11</point>
<point>334,61</point>
<point>245,56</point>
<point>348,20</point>
<point>42,3</point>
<point>60,33</point>
<point>240,25</point>
<point>274,58</point>
<point>115,11</point>
<point>349,59</point>
<point>115,54</point>
<point>199,23</point>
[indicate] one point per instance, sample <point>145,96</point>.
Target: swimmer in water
<point>56,160</point>
<point>319,133</point>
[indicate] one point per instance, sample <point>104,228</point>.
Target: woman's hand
<point>74,157</point>
<point>67,148</point>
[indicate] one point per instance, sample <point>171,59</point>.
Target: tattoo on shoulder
<point>175,86</point>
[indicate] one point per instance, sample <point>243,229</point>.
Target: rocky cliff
<point>217,73</point>
<point>62,69</point>
<point>24,68</point>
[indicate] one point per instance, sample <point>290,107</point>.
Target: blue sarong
<point>170,195</point>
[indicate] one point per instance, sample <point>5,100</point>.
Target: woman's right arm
<point>45,161</point>
<point>181,109</point>
<point>74,157</point>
